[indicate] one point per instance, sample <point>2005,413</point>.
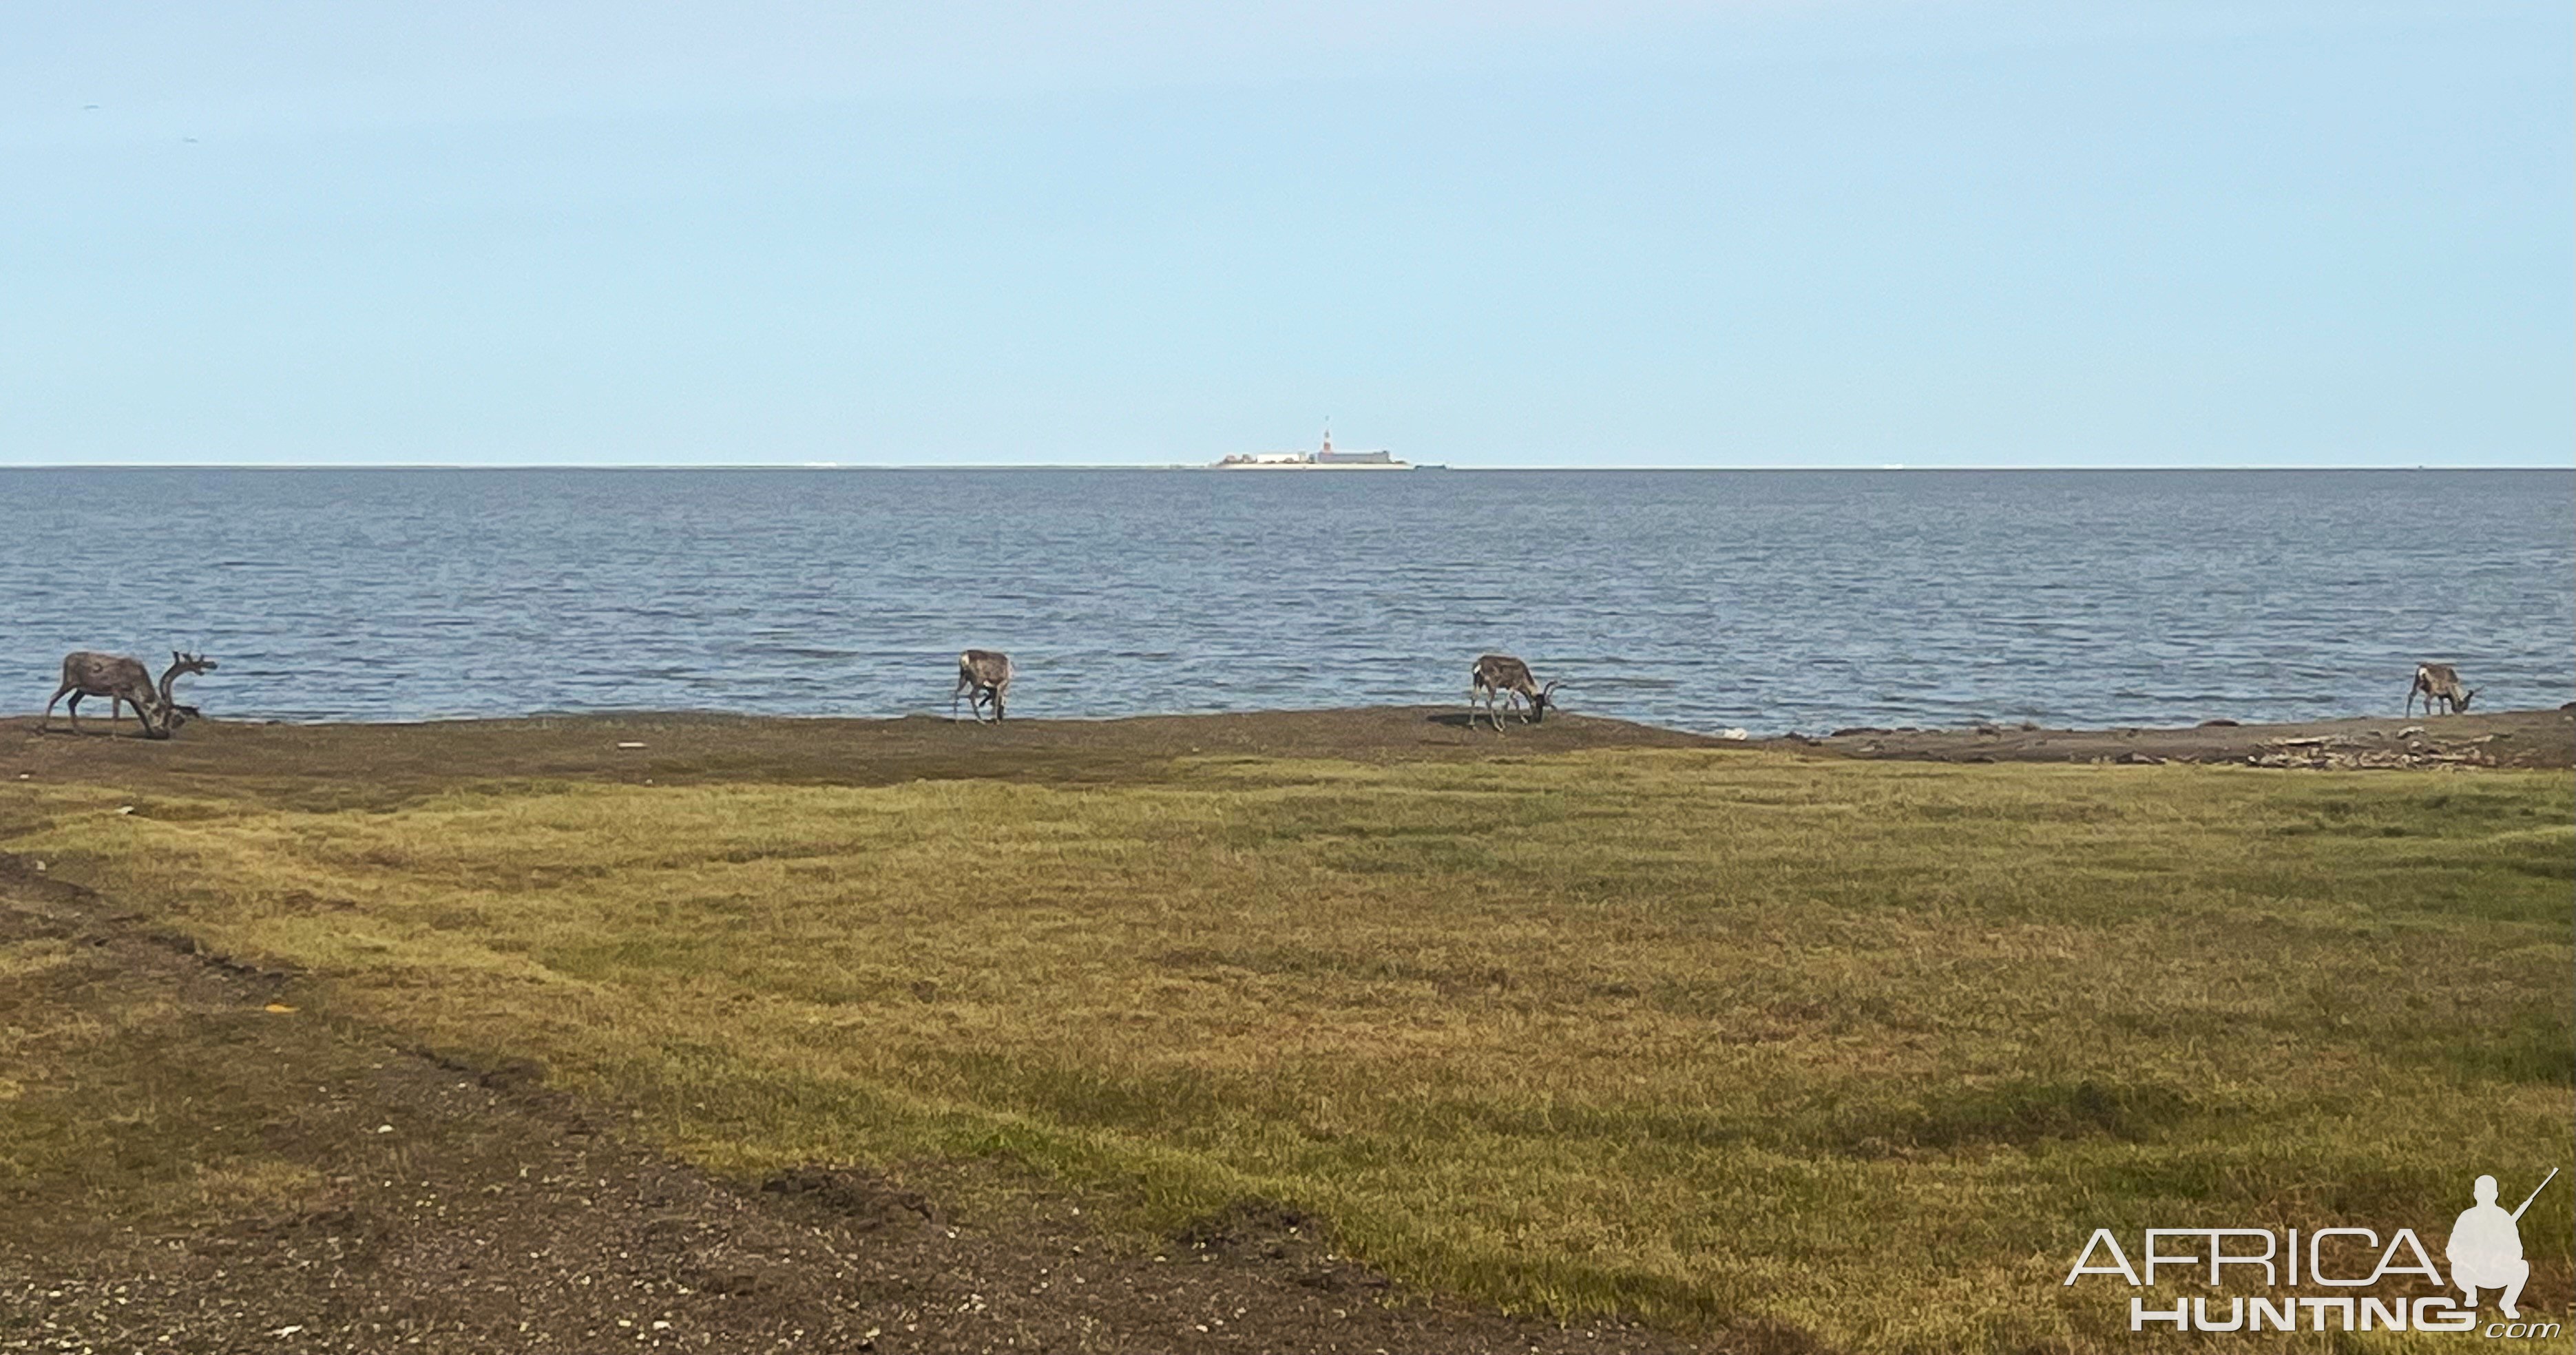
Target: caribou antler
<point>172,713</point>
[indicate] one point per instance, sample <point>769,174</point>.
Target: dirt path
<point>185,1168</point>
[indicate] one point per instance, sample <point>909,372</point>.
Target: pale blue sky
<point>1747,234</point>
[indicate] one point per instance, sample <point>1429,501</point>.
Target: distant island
<point>1323,458</point>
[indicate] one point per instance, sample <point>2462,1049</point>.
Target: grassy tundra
<point>1863,1050</point>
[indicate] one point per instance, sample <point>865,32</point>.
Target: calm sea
<point>1769,600</point>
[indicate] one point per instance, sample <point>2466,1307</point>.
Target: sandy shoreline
<point>2511,738</point>
<point>689,746</point>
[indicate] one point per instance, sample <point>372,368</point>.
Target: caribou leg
<point>47,721</point>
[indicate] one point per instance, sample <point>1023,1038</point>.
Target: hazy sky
<point>1758,233</point>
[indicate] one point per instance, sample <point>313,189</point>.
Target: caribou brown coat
<point>114,676</point>
<point>2439,682</point>
<point>983,675</point>
<point>1500,676</point>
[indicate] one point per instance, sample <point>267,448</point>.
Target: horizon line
<point>1204,466</point>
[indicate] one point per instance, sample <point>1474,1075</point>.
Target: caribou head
<point>182,665</point>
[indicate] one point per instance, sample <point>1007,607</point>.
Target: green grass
<point>1862,1049</point>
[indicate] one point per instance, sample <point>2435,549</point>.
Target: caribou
<point>982,675</point>
<point>1502,676</point>
<point>123,681</point>
<point>2439,682</point>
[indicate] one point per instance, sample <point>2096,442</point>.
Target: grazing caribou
<point>982,675</point>
<point>121,680</point>
<point>2439,682</point>
<point>1502,676</point>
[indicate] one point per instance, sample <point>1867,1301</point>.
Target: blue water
<point>1769,600</point>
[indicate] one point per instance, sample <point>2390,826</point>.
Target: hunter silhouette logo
<point>2486,1247</point>
<point>2484,1256</point>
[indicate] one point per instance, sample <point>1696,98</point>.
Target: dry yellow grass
<point>1862,1049</point>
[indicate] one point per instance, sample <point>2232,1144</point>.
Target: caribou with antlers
<point>126,682</point>
<point>982,675</point>
<point>1502,676</point>
<point>2439,682</point>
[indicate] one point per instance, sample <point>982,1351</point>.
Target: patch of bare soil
<point>238,1176</point>
<point>2515,738</point>
<point>365,765</point>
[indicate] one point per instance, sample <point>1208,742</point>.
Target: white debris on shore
<point>2345,752</point>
